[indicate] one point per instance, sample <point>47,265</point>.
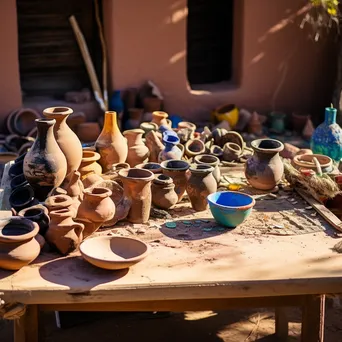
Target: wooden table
<point>187,269</point>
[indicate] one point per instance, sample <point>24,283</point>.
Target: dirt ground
<point>228,326</point>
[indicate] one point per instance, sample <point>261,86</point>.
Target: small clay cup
<point>39,214</point>
<point>231,152</point>
<point>194,147</point>
<point>57,202</point>
<point>216,151</point>
<point>163,192</point>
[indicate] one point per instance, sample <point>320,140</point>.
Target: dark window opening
<point>50,60</point>
<point>209,41</point>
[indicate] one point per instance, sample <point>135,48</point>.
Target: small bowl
<point>113,252</point>
<point>230,208</point>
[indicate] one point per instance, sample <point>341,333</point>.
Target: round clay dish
<point>113,252</point>
<point>306,161</point>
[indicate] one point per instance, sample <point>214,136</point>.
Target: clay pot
<point>39,214</point>
<point>45,165</point>
<point>16,169</point>
<point>64,234</point>
<point>66,139</point>
<point>21,121</point>
<point>163,192</point>
<point>305,161</point>
<point>58,202</point>
<point>148,127</point>
<point>185,134</point>
<point>265,168</point>
<point>137,151</point>
<point>188,125</point>
<point>75,189</point>
<point>113,173</point>
<point>22,197</point>
<point>212,161</point>
<point>134,118</point>
<point>18,246</point>
<point>217,151</point>
<point>154,145</point>
<point>289,151</point>
<point>137,188</point>
<point>91,179</point>
<point>152,104</point>
<point>88,131</point>
<point>200,185</point>
<point>18,181</point>
<point>231,152</point>
<point>159,118</point>
<point>97,208</point>
<point>171,150</point>
<point>111,144</point>
<point>155,168</point>
<point>299,121</point>
<point>177,170</point>
<point>14,142</point>
<point>194,147</point>
<point>89,164</point>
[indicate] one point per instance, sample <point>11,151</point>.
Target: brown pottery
<point>137,188</point>
<point>265,168</point>
<point>194,147</point>
<point>74,188</point>
<point>39,214</point>
<point>160,118</point>
<point>148,127</point>
<point>137,151</point>
<point>231,152</point>
<point>89,164</point>
<point>58,202</point>
<point>153,167</point>
<point>212,161</point>
<point>163,192</point>
<point>18,246</point>
<point>91,179</point>
<point>200,185</point>
<point>154,145</point>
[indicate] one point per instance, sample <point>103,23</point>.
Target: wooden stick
<point>322,210</point>
<point>88,62</point>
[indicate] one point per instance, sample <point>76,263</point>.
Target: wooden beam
<point>281,324</point>
<point>26,327</point>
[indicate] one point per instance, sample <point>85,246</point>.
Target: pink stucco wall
<point>10,93</point>
<point>282,68</point>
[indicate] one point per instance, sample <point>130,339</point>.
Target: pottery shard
<point>289,151</point>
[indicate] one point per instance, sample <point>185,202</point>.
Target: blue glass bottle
<point>327,137</point>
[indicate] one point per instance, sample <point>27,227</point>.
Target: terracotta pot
<point>163,192</point>
<point>265,168</point>
<point>75,189</point>
<point>66,139</point>
<point>155,168</point>
<point>39,214</point>
<point>113,173</point>
<point>231,152</point>
<point>152,104</point>
<point>200,185</point>
<point>64,234</point>
<point>18,181</point>
<point>18,246</point>
<point>137,188</point>
<point>88,131</point>
<point>16,169</point>
<point>23,121</point>
<point>122,203</point>
<point>212,161</point>
<point>299,121</point>
<point>194,147</point>
<point>137,151</point>
<point>45,165</point>
<point>154,145</point>
<point>111,144</point>
<point>305,161</point>
<point>22,197</point>
<point>185,134</point>
<point>96,209</point>
<point>14,142</point>
<point>134,118</point>
<point>91,179</point>
<point>177,170</point>
<point>58,202</point>
<point>148,127</point>
<point>159,118</point>
<point>89,164</point>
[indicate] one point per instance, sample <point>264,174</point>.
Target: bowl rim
<point>137,258</point>
<point>245,207</point>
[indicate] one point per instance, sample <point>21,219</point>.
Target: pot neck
<point>110,123</point>
<point>330,116</point>
<point>45,132</point>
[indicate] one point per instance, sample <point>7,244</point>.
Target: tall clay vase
<point>66,139</point>
<point>64,234</point>
<point>18,246</point>
<point>265,168</point>
<point>137,188</point>
<point>200,185</point>
<point>45,165</point>
<point>111,144</point>
<point>177,170</point>
<point>97,208</point>
<point>137,151</point>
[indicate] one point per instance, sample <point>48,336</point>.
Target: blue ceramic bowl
<point>230,208</point>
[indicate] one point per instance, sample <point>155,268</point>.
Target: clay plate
<point>113,252</point>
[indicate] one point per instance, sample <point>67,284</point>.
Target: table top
<point>188,262</point>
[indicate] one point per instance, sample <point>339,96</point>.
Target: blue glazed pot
<point>115,102</point>
<point>171,150</point>
<point>327,137</point>
<point>230,208</point>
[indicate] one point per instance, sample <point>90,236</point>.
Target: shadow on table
<point>76,273</point>
<point>194,229</point>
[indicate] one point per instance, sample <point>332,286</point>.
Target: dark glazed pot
<point>18,181</point>
<point>16,169</point>
<point>39,214</point>
<point>265,168</point>
<point>22,197</point>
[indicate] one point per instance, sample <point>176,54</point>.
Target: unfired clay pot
<point>137,151</point>
<point>66,139</point>
<point>39,214</point>
<point>137,188</point>
<point>231,152</point>
<point>97,208</point>
<point>64,234</point>
<point>154,145</point>
<point>45,165</point>
<point>160,118</point>
<point>153,167</point>
<point>200,185</point>
<point>194,147</point>
<point>212,161</point>
<point>163,192</point>
<point>91,179</point>
<point>177,170</point>
<point>89,164</point>
<point>265,169</point>
<point>18,246</point>
<point>58,202</point>
<point>111,144</point>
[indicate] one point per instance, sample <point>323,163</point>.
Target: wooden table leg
<point>26,327</point>
<point>281,324</point>
<point>313,319</point>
